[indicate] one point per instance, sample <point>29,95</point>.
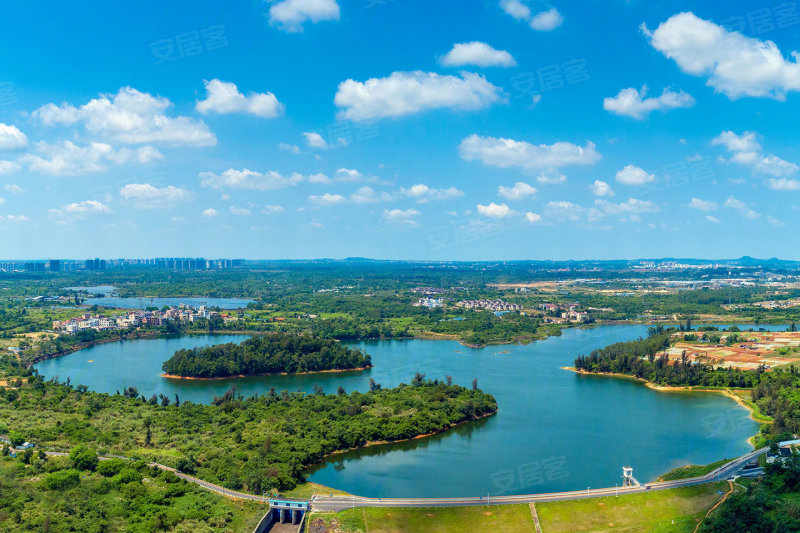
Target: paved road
<point>338,503</point>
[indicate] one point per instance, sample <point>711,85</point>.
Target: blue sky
<point>483,129</point>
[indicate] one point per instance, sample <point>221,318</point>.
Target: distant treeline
<point>268,354</point>
<point>639,359</point>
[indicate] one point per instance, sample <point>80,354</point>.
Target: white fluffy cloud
<point>146,196</point>
<point>703,205</point>
<point>519,191</point>
<point>79,210</point>
<point>15,218</point>
<point>516,9</point>
<point>368,195</point>
<point>601,188</point>
<point>533,218</point>
<point>248,179</point>
<point>11,137</point>
<point>747,151</point>
<point>286,147</point>
<point>348,174</point>
<point>547,20</point>
<point>712,219</point>
<point>404,216</point>
<point>633,175</point>
<point>746,142</point>
<point>543,21</point>
<point>290,15</point>
<point>319,178</point>
<point>273,209</point>
<point>68,158</point>
<point>630,206</point>
<point>9,167</point>
<point>742,208</point>
<point>210,212</point>
<point>405,93</point>
<point>422,193</point>
<point>632,103</point>
<point>315,140</point>
<point>504,153</point>
<point>563,210</point>
<point>783,184</point>
<point>477,54</point>
<point>551,179</point>
<point>224,97</point>
<point>734,64</point>
<point>494,210</point>
<point>131,117</point>
<point>327,199</point>
<point>240,211</point>
<point>13,189</point>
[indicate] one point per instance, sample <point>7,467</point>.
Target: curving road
<point>338,503</point>
<point>205,484</point>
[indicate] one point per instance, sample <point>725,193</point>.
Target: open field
<point>748,352</point>
<point>495,519</point>
<point>674,510</point>
<point>668,511</point>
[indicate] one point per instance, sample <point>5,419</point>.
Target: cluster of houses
<point>491,305</point>
<point>430,303</point>
<point>180,313</point>
<point>570,312</point>
<point>5,440</point>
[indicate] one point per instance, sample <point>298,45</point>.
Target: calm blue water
<point>141,303</point>
<point>555,430</point>
<point>111,300</point>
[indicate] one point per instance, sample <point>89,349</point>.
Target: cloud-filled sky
<point>488,129</point>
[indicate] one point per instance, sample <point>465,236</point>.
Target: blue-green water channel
<point>555,430</point>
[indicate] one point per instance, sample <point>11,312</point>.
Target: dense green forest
<point>266,354</point>
<point>254,444</point>
<point>79,493</point>
<point>770,505</point>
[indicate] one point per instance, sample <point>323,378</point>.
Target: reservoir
<point>112,300</point>
<point>555,430</point>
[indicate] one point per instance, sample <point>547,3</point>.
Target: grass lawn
<point>497,519</point>
<point>674,510</point>
<point>306,490</point>
<point>684,472</point>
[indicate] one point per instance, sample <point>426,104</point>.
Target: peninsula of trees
<point>252,444</point>
<point>269,354</point>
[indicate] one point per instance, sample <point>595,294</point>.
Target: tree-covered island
<point>279,353</point>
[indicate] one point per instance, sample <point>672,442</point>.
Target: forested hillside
<point>253,444</point>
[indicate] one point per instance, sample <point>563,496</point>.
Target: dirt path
<point>715,506</point>
<point>535,517</point>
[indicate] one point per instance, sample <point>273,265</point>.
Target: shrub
<point>83,458</point>
<point>63,479</point>
<point>127,475</point>
<point>110,468</point>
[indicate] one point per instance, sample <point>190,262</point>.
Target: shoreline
<point>333,370</point>
<point>371,444</point>
<point>756,417</point>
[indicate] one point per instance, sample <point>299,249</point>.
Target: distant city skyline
<point>408,130</point>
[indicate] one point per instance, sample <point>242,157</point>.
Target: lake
<point>111,299</point>
<point>555,430</point>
